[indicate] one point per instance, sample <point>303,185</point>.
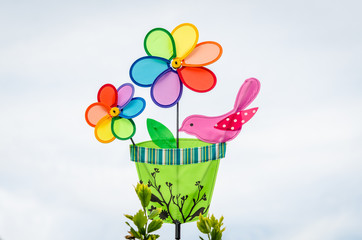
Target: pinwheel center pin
<point>114,111</point>
<point>176,63</point>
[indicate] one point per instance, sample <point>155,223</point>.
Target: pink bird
<point>225,127</point>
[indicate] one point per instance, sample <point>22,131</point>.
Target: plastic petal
<point>167,89</point>
<point>134,108</point>
<point>107,94</point>
<point>198,79</point>
<point>145,70</point>
<point>186,36</point>
<point>103,130</point>
<point>159,43</point>
<point>204,54</point>
<point>125,94</point>
<point>123,128</point>
<point>96,112</point>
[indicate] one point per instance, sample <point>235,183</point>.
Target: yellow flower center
<point>114,112</point>
<point>176,63</point>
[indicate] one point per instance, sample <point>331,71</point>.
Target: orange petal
<point>96,112</point>
<point>107,94</point>
<point>204,54</point>
<point>198,79</point>
<point>103,130</point>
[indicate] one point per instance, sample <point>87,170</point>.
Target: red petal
<point>198,79</point>
<point>107,94</point>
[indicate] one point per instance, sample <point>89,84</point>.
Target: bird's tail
<point>247,93</point>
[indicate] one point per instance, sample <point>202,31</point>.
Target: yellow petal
<point>186,36</point>
<point>103,131</point>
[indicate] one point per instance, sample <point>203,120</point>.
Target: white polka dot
<point>215,125</point>
<point>224,126</point>
<point>232,128</point>
<point>238,113</point>
<point>242,121</point>
<point>245,113</point>
<point>235,120</point>
<point>254,111</point>
<point>227,119</point>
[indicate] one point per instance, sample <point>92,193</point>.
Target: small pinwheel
<point>112,114</point>
<point>175,58</point>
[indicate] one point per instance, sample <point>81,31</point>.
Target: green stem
<point>144,209</point>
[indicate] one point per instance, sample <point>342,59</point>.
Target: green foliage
<point>211,226</point>
<point>155,225</point>
<point>144,194</point>
<point>160,134</point>
<point>140,219</point>
<point>154,213</point>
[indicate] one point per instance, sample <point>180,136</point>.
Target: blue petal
<point>145,70</point>
<point>134,108</point>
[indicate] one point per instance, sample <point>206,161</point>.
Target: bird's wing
<point>235,121</point>
<point>247,93</point>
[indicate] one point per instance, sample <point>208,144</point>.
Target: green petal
<point>159,43</point>
<point>123,128</point>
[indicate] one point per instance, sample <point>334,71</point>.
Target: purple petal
<point>125,94</point>
<point>167,89</point>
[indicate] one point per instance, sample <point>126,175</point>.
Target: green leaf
<point>203,225</point>
<point>155,213</point>
<point>134,232</point>
<point>201,238</point>
<point>213,221</point>
<point>213,234</point>
<point>142,231</point>
<point>144,194</point>
<point>153,237</point>
<point>220,221</point>
<point>155,225</point>
<point>160,134</point>
<point>130,217</point>
<point>140,219</point>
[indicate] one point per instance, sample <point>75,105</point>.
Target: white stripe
<point>181,157</point>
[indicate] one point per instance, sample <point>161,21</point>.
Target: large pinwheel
<point>175,58</point>
<point>112,115</point>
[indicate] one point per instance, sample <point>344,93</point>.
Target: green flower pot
<point>181,179</point>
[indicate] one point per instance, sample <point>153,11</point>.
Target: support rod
<point>177,125</point>
<point>177,230</point>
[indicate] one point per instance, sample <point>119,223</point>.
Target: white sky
<point>293,173</point>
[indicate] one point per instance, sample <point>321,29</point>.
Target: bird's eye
<point>191,124</point>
